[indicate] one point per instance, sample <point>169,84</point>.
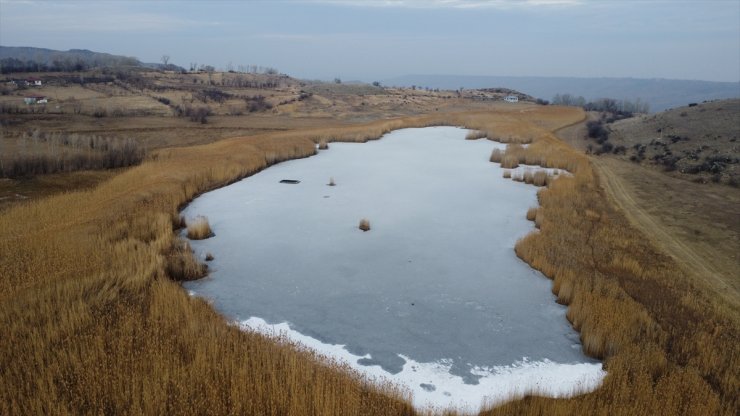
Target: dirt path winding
<point>697,225</point>
<point>699,265</point>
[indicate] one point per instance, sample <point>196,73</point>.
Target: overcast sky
<point>374,40</point>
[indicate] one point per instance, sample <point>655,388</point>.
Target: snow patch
<point>434,388</point>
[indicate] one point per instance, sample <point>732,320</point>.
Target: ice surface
<point>435,285</point>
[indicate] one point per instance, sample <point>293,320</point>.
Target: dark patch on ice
<point>290,181</point>
<point>391,363</point>
<point>428,387</point>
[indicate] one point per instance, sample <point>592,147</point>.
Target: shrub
<point>364,224</point>
<point>532,213</point>
<point>257,103</point>
<point>597,131</point>
<point>199,229</point>
<point>212,94</point>
<point>80,153</point>
<point>497,155</point>
<point>528,177</point>
<point>197,114</point>
<point>182,265</point>
<point>540,178</point>
<point>507,174</point>
<point>475,135</point>
<point>509,162</point>
<point>200,114</point>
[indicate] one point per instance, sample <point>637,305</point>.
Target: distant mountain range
<point>661,94</point>
<point>71,59</point>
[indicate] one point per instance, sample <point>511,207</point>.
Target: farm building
<point>511,99</point>
<point>35,99</point>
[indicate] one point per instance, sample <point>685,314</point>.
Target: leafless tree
<point>165,60</point>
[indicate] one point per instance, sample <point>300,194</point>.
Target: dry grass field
<point>95,321</point>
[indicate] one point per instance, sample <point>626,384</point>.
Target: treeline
<point>619,108</point>
<point>243,81</point>
<point>66,64</point>
<point>245,69</point>
<point>44,153</point>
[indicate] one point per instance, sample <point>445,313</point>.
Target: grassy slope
<point>93,324</point>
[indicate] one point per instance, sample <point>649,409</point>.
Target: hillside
<point>675,175</point>
<point>661,94</point>
<point>13,58</point>
<point>699,142</point>
<point>151,109</point>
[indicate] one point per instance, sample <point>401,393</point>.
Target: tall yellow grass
<point>199,228</point>
<point>93,322</point>
<point>475,135</point>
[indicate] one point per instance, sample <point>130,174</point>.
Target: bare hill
<point>698,142</point>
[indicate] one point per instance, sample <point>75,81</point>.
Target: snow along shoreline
<point>433,387</point>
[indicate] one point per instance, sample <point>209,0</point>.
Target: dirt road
<point>696,224</point>
<point>705,265</point>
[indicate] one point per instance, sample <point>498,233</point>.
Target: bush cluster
<point>73,153</point>
<point>197,114</point>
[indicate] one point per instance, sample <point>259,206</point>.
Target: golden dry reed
<point>93,321</point>
<point>364,224</point>
<point>509,162</point>
<point>475,135</point>
<point>199,228</point>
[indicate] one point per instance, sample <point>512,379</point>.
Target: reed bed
<point>476,134</point>
<point>199,228</point>
<point>94,322</point>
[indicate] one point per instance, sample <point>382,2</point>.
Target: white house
<point>35,99</point>
<point>511,99</point>
<point>34,82</point>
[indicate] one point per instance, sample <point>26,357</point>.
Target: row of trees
<point>66,64</point>
<point>245,69</point>
<point>607,105</point>
<point>44,153</point>
<point>243,81</point>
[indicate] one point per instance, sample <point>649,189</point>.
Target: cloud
<point>451,4</point>
<point>89,17</point>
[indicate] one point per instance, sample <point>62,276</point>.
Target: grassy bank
<point>94,323</point>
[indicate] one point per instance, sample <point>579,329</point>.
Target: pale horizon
<point>369,41</point>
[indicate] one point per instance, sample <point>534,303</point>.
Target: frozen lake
<point>432,297</point>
